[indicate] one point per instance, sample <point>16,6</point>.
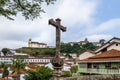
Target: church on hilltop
<point>85,41</point>
<point>36,44</point>
<point>80,42</point>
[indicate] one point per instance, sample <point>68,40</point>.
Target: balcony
<point>103,71</point>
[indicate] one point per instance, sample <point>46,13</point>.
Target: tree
<point>74,69</point>
<point>102,41</point>
<point>66,48</point>
<point>49,52</point>
<point>5,72</point>
<point>17,65</point>
<point>76,48</point>
<point>89,46</point>
<point>31,75</point>
<point>42,73</point>
<point>67,73</point>
<point>2,65</point>
<point>30,9</point>
<point>5,51</point>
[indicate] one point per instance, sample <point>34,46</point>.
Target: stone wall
<point>95,77</point>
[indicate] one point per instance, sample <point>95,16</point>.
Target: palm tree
<point>41,73</point>
<point>18,65</point>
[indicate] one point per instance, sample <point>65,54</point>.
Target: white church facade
<point>36,44</point>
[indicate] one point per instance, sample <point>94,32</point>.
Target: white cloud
<point>109,25</point>
<point>11,44</point>
<point>97,37</point>
<point>21,31</point>
<point>79,11</point>
<point>16,33</point>
<point>105,30</point>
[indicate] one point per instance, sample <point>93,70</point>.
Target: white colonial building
<point>86,54</point>
<point>40,61</point>
<point>36,44</point>
<point>113,43</point>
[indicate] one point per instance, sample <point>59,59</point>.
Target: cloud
<point>21,31</point>
<point>79,11</point>
<point>12,44</point>
<point>108,26</point>
<point>105,30</point>
<point>16,33</point>
<point>97,37</point>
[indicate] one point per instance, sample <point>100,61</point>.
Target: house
<point>113,43</point>
<point>36,44</point>
<point>39,61</point>
<point>105,63</point>
<point>85,42</point>
<point>86,54</point>
<point>79,43</point>
<point>73,55</point>
<point>96,43</point>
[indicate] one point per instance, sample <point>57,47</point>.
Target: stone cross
<point>57,62</point>
<point>58,27</point>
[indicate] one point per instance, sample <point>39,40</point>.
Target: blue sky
<point>108,9</point>
<point>92,19</point>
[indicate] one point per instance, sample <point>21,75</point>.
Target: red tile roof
<point>112,55</point>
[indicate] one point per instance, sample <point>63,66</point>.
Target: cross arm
<point>52,22</point>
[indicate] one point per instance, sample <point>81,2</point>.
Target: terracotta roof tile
<point>111,55</point>
<point>101,59</point>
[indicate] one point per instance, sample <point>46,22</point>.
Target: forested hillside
<point>76,48</point>
<point>65,48</point>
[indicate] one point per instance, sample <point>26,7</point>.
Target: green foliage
<point>30,9</point>
<point>49,52</point>
<point>2,65</point>
<point>42,73</point>
<point>66,48</point>
<point>67,73</point>
<point>31,75</point>
<point>5,50</point>
<point>76,48</point>
<point>37,51</point>
<point>18,64</point>
<point>74,69</point>
<point>5,72</point>
<point>102,41</point>
<point>89,46</point>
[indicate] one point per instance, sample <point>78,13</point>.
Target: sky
<point>92,19</point>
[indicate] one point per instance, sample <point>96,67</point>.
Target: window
<point>119,65</point>
<point>95,66</point>
<point>116,44</point>
<point>89,65</point>
<point>83,65</point>
<point>108,65</point>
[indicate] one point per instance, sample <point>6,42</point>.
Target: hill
<point>36,51</point>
